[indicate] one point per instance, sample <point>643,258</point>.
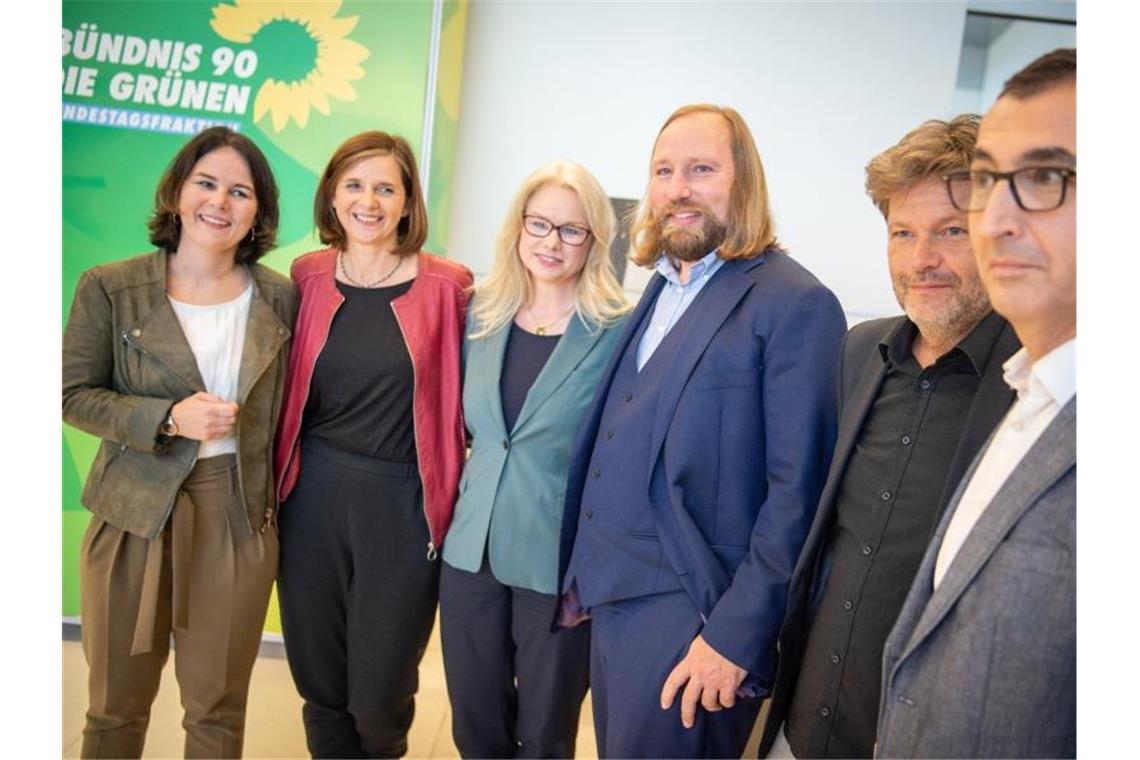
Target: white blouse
<point>216,334</point>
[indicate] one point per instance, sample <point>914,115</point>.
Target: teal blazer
<point>511,492</point>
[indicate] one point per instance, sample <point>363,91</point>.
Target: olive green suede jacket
<point>126,362</point>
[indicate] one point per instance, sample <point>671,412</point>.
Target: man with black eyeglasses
<point>982,659</point>
<point>919,395</point>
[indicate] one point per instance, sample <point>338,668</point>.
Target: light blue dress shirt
<point>674,298</point>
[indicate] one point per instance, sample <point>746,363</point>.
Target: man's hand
<point>711,680</point>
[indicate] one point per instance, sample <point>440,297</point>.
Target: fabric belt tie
<point>181,536</point>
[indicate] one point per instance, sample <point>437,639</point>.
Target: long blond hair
<point>749,229</point>
<point>508,287</point>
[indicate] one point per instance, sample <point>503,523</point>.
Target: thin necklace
<point>541,329</point>
<point>347,276</point>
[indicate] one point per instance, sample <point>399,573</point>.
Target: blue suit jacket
<point>740,446</point>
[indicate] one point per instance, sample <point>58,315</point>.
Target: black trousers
<point>516,688</point>
<point>358,597</point>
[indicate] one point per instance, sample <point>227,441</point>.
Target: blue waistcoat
<point>618,553</point>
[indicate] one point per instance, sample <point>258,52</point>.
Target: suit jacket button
<point>627,397</point>
<point>848,604</point>
<point>589,514</point>
<point>506,444</point>
<point>825,711</point>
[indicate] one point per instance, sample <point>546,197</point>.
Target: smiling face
<point>1028,259</point>
<point>548,259</point>
<point>217,205</point>
<point>690,187</point>
<point>369,201</point>
<point>932,267</point>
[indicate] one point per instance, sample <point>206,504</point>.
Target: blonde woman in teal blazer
<point>540,331</point>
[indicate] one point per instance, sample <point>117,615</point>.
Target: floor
<point>273,720</point>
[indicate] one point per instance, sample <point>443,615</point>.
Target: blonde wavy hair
<point>508,287</point>
<point>749,229</point>
<point>931,149</point>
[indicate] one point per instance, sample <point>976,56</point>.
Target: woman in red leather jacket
<point>369,450</point>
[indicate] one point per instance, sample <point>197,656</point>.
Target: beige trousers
<point>206,579</point>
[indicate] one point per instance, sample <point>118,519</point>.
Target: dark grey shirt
<point>887,506</point>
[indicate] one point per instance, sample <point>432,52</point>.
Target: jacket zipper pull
<point>432,554</point>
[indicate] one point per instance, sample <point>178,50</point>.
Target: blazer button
<point>506,444</point>
<point>848,605</point>
<point>596,474</point>
<point>280,330</point>
<point>609,434</point>
<point>589,514</point>
<point>627,397</point>
<point>825,711</point>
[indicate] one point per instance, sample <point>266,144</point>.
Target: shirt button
<point>906,440</point>
<point>280,330</point>
<point>885,495</point>
<point>609,434</point>
<point>506,444</point>
<point>848,604</point>
<point>825,711</point>
<point>136,332</point>
<point>627,397</point>
<point>834,659</point>
<point>866,551</point>
<point>925,385</point>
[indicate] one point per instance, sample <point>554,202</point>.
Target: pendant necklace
<point>540,329</point>
<point>351,281</point>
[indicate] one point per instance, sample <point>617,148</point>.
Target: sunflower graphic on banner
<point>139,77</point>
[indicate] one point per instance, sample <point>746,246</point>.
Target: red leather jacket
<point>431,317</point>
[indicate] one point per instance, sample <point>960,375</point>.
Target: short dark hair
<point>165,225</point>
<point>411,232</point>
<point>1048,71</point>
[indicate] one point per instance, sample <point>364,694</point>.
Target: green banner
<point>139,78</point>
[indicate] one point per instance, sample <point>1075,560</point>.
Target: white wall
<point>1021,43</point>
<point>824,86</point>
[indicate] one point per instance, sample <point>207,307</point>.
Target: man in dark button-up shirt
<point>919,396</point>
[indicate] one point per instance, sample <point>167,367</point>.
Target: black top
<point>525,357</point>
<point>887,507</point>
<point>360,399</point>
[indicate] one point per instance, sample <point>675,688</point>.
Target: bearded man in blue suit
<point>698,467</point>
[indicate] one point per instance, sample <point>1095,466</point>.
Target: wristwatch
<point>169,427</point>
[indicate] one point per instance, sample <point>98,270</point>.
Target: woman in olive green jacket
<point>540,332</point>
<point>176,359</point>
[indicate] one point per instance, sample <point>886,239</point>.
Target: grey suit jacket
<point>986,665</point>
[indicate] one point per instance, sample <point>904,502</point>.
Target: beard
<point>686,243</point>
<point>962,311</point>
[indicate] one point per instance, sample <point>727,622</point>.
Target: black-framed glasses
<point>570,234</point>
<point>1034,188</point>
